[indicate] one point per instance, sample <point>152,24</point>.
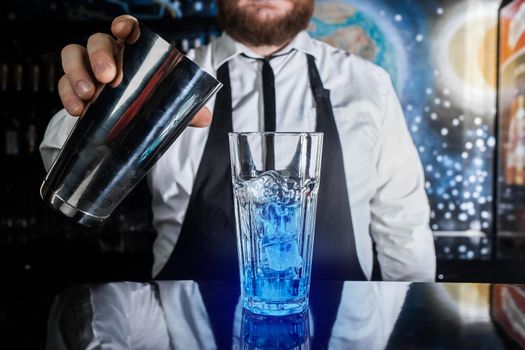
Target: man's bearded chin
<point>251,31</point>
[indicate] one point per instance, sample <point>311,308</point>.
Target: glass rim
<point>276,133</point>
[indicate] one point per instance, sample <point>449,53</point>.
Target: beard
<point>248,29</point>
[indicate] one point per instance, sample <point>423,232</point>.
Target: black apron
<point>207,247</point>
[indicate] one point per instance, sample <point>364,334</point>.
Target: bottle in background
<point>515,165</point>
<point>11,134</point>
<point>4,76</point>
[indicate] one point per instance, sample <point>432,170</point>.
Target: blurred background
<point>459,70</point>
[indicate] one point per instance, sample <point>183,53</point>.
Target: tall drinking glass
<point>275,180</point>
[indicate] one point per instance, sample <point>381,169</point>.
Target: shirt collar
<point>225,48</point>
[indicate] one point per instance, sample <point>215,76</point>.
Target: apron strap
<point>335,255</point>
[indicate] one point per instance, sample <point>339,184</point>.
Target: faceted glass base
<point>275,309</point>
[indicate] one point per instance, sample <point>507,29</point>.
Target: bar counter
<point>341,315</point>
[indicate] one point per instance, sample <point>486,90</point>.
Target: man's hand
<point>88,69</point>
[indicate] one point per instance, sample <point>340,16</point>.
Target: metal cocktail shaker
<point>126,130</point>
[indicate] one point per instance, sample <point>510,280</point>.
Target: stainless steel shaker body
<point>126,130</point>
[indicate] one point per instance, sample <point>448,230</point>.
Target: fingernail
<point>101,67</point>
<point>82,87</point>
<point>120,24</point>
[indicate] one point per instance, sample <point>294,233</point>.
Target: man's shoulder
<point>341,69</point>
<point>347,62</point>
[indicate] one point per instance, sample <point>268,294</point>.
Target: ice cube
<point>265,188</point>
<point>278,219</point>
<point>282,255</point>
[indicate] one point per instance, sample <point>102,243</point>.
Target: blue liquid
<point>275,223</point>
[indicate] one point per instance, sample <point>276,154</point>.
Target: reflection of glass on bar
<point>269,332</point>
<point>275,180</point>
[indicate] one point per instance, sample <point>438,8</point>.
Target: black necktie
<point>268,95</point>
<point>269,110</point>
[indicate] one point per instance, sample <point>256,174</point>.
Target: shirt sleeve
<point>400,210</point>
<point>56,134</point>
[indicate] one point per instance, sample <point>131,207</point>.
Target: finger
<point>102,50</point>
<point>120,74</point>
<point>76,67</point>
<point>126,29</point>
<point>70,100</point>
<point>202,118</point>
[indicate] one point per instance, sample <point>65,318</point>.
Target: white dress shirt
<point>382,167</point>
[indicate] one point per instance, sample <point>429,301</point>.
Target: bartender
<point>276,78</point>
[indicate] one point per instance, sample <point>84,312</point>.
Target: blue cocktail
<point>275,218</point>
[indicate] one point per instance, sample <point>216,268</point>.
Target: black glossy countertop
<point>342,315</point>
